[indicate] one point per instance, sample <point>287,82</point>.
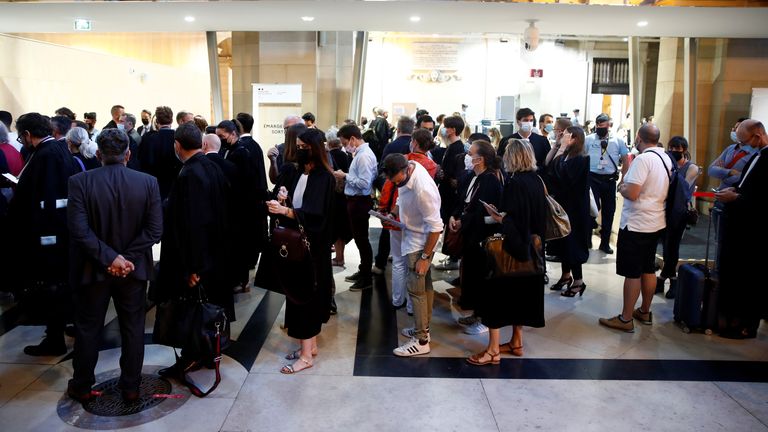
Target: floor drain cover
<point>111,404</point>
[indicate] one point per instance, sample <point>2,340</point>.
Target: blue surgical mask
<point>121,127</point>
<point>444,133</point>
<point>549,128</point>
<point>468,162</point>
<point>734,138</point>
<point>526,127</point>
<point>746,147</point>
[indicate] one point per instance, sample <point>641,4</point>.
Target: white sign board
<point>440,56</point>
<point>276,93</point>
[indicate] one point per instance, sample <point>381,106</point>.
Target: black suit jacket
<point>539,143</point>
<point>112,210</point>
<point>157,158</point>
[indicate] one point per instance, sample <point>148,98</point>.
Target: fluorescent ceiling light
<point>415,19</point>
<point>189,19</point>
<point>83,25</point>
<point>642,23</point>
<point>308,18</point>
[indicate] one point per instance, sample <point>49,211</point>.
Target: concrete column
<point>689,94</point>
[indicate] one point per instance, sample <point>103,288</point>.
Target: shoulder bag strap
<point>668,171</point>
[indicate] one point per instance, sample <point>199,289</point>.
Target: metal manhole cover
<point>109,412</point>
<point>110,403</point>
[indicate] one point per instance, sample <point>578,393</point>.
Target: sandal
<point>337,263</point>
<point>562,283</point>
<point>574,289</point>
<point>295,355</point>
<point>516,351</point>
<point>479,359</point>
<point>290,369</point>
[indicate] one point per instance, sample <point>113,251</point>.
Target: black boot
<point>660,285</point>
<point>47,348</point>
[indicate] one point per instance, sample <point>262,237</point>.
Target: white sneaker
<point>411,348</point>
<point>410,332</point>
<point>476,329</point>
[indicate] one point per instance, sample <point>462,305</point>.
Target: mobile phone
<point>491,209</point>
<point>715,190</point>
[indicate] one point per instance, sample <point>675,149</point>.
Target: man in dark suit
<point>195,245</point>
<point>61,125</point>
<point>37,231</point>
<point>114,218</point>
<point>146,117</point>
<point>156,155</point>
<point>526,121</point>
<point>743,298</point>
<point>116,111</point>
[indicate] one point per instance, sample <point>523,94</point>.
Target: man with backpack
<point>643,218</point>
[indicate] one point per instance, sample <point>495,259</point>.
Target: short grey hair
<point>292,120</point>
<point>130,118</point>
<point>378,111</point>
<point>3,133</point>
<point>405,125</point>
<point>78,137</point>
<point>332,138</point>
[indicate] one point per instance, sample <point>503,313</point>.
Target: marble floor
<point>575,375</point>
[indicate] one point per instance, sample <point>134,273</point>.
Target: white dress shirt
<point>419,209</point>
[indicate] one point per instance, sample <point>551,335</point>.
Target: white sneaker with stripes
<point>411,348</point>
<point>410,332</point>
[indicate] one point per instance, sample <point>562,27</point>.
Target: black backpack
<point>676,205</point>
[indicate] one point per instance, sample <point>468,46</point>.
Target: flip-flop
<point>289,370</point>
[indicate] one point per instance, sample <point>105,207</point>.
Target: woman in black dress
<point>308,286</point>
<point>515,301</point>
<point>568,178</point>
<point>469,218</point>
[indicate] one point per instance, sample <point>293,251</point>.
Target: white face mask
<point>526,127</point>
<point>121,126</point>
<point>468,161</point>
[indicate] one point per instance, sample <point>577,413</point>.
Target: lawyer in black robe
<point>157,158</point>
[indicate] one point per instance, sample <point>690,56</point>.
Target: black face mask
<point>601,131</point>
<point>405,181</point>
<point>676,155</point>
<point>302,156</point>
<point>145,121</point>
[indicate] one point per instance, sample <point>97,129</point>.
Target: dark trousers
<point>604,189</point>
<point>358,207</point>
<point>383,252</point>
<point>574,269</point>
<point>91,303</point>
<point>671,246</point>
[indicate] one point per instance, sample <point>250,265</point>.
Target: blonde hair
<point>519,156</point>
<point>495,136</point>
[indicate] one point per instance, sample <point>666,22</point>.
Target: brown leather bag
<point>505,265</point>
<point>291,244</point>
<point>453,243</point>
<point>558,224</point>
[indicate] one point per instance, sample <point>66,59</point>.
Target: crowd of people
<point>82,207</point>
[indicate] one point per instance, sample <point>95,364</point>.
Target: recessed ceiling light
<point>642,23</point>
<point>83,25</point>
<point>626,39</point>
<point>434,35</point>
<point>189,19</point>
<point>415,19</point>
<point>307,18</point>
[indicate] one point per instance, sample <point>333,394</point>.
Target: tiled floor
<point>356,384</point>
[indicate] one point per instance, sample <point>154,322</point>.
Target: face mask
<point>467,162</point>
<point>176,152</point>
<point>734,138</point>
<point>746,147</point>
<point>526,127</point>
<point>145,122</point>
<point>302,156</point>
<point>444,133</point>
<point>676,155</point>
<point>405,181</point>
<point>601,131</point>
<point>121,127</point>
<point>549,128</point>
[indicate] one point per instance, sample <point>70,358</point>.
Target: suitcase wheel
<point>708,332</point>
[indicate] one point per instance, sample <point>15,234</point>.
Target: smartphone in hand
<point>490,208</point>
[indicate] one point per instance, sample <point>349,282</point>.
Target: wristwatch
<point>425,257</point>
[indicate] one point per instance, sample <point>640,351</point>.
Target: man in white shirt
<point>418,207</point>
<point>644,189</point>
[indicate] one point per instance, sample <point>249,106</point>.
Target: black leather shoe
<point>607,249</point>
<point>130,396</point>
<point>354,277</point>
<point>46,348</point>
<point>80,396</point>
<point>334,308</point>
<point>362,284</point>
<point>69,331</point>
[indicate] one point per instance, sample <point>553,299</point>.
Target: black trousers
<point>91,303</point>
<point>604,189</point>
<point>358,207</point>
<point>382,256</point>
<point>671,246</point>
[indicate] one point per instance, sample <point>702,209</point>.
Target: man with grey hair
<point>114,217</point>
<point>184,117</point>
<point>275,154</point>
<point>129,126</point>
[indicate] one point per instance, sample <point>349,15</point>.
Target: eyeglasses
<point>18,139</point>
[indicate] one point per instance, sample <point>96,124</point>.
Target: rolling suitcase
<point>697,295</point>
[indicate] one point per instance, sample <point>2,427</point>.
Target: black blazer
<point>112,210</point>
<point>540,144</point>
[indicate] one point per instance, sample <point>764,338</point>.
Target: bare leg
<point>339,250</point>
<point>648,290</point>
<point>517,336</point>
<point>493,340</point>
<point>631,294</point>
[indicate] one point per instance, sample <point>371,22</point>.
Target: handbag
<point>558,224</point>
<point>200,328</point>
<point>453,241</point>
<point>593,210</point>
<point>505,265</point>
<point>291,244</point>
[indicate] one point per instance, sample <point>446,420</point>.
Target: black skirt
<point>512,301</point>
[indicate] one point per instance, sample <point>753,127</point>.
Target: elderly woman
<point>82,148</point>
<point>308,202</point>
<point>568,177</point>
<point>482,185</point>
<point>517,301</point>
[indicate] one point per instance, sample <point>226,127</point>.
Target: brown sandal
<point>478,359</point>
<point>508,348</point>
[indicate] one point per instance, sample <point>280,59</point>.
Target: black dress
<point>305,319</point>
<point>568,182</point>
<point>517,301</point>
<point>342,230</point>
<point>474,230</point>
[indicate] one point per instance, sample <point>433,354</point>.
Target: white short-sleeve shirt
<point>646,214</point>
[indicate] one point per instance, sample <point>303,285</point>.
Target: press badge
<point>47,240</point>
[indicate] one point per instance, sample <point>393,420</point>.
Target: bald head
<point>752,133</point>
<point>647,137</point>
<point>291,120</point>
<point>211,143</point>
